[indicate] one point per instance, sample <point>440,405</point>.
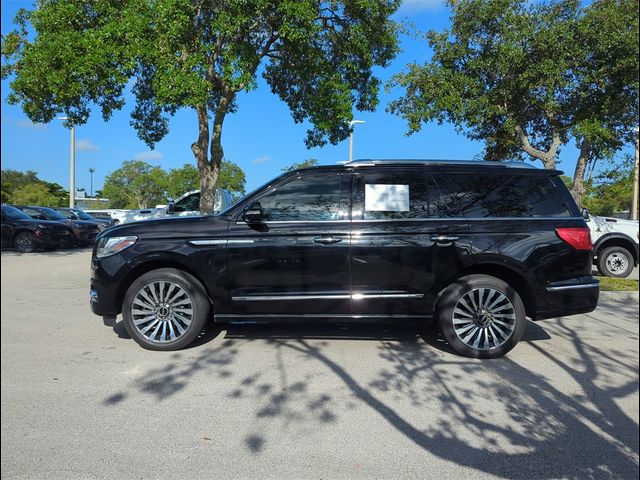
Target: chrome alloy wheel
<point>484,318</point>
<point>617,263</point>
<point>162,311</point>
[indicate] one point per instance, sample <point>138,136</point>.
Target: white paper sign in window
<point>386,198</point>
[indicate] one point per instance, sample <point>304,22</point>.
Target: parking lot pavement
<point>79,400</point>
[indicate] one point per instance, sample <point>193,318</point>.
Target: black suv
<point>27,234</point>
<point>477,246</point>
<point>82,232</point>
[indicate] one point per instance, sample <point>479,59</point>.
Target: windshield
<point>15,214</point>
<point>52,214</point>
<point>81,214</point>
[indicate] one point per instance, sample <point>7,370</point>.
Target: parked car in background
<point>82,231</point>
<point>27,234</point>
<point>79,214</point>
<point>476,246</point>
<point>615,245</point>
<point>106,214</point>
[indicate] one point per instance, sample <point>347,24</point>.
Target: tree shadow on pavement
<point>558,416</point>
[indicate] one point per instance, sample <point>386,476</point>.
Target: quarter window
<point>308,198</point>
<point>482,196</point>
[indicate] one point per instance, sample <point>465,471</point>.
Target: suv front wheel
<point>165,309</point>
<point>481,316</point>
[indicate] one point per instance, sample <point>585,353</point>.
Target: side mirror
<point>585,214</point>
<point>172,207</point>
<point>253,213</point>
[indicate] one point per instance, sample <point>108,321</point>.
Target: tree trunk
<point>548,157</point>
<point>200,148</point>
<point>209,166</point>
<point>578,189</point>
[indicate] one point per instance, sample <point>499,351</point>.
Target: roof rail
<point>371,162</point>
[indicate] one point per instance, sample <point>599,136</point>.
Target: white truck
<point>615,245</point>
<point>185,205</point>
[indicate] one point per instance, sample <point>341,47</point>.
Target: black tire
<point>497,338</point>
<point>25,242</point>
<point>615,262</point>
<point>194,293</point>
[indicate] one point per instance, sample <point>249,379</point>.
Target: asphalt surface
<point>80,400</point>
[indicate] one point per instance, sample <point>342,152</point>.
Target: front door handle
<point>327,240</point>
<point>444,239</point>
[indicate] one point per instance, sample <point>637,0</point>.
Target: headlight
<point>77,225</point>
<point>111,245</point>
<point>41,226</point>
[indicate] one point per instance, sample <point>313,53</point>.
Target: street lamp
<point>351,124</point>
<point>634,196</point>
<point>72,166</point>
<point>91,171</point>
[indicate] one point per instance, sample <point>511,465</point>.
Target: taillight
<point>577,237</point>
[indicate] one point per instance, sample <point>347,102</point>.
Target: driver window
<point>309,198</point>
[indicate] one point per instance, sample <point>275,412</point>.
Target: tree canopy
<point>309,162</point>
<point>136,184</point>
<point>27,189</point>
<point>529,77</point>
<point>317,56</point>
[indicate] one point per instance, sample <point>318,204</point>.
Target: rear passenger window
<point>482,196</point>
<point>390,195</point>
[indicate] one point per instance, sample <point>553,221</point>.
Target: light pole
<point>634,196</point>
<point>351,124</point>
<point>91,171</point>
<point>72,166</point>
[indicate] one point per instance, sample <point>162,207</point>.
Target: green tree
<point>14,179</point>
<point>187,178</point>
<point>136,185</point>
<point>232,178</point>
<point>38,193</point>
<point>611,190</point>
<point>529,77</point>
<point>309,162</point>
<point>52,194</point>
<point>182,180</point>
<point>317,56</point>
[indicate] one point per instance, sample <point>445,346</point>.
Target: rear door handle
<point>443,238</point>
<point>327,240</point>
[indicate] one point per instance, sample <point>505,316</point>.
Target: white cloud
<point>24,123</point>
<point>415,6</point>
<point>264,159</point>
<point>86,145</point>
<point>148,156</point>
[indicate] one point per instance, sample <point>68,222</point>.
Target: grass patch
<point>618,284</point>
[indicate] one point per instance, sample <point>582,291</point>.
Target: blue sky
<point>261,137</point>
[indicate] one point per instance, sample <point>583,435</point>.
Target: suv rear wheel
<point>481,316</point>
<point>615,262</point>
<point>165,309</point>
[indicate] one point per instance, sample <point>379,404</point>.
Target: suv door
<point>400,255</point>
<point>296,261</point>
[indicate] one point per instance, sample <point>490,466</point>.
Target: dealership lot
<point>80,400</point>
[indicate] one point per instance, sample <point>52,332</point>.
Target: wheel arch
<point>508,275</point>
<point>149,266</point>
<point>617,240</point>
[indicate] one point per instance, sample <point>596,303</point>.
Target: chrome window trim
<point>438,219</point>
<point>573,287</point>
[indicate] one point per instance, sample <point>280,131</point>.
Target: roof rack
<point>371,162</point>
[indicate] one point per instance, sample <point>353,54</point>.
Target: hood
<point>173,227</point>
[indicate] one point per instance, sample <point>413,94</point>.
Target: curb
<point>629,296</point>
